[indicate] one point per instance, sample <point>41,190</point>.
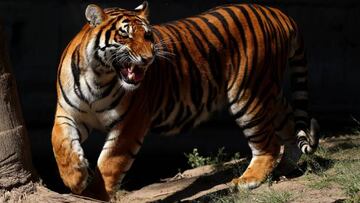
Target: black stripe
<point>265,35</point>
<point>176,53</point>
<point>108,33</point>
<point>253,60</point>
<point>243,42</point>
<point>213,54</point>
<point>271,40</point>
<point>110,87</point>
<point>65,96</point>
<point>161,40</point>
<point>256,121</point>
<point>265,95</point>
<point>162,128</point>
<point>73,126</point>
<point>179,113</point>
<point>190,123</point>
<point>299,86</point>
<point>299,62</point>
<point>169,107</point>
<point>260,140</point>
<point>67,118</point>
<point>198,43</point>
<point>257,86</point>
<point>90,88</point>
<point>213,29</point>
<point>113,104</point>
<point>195,76</point>
<point>75,70</point>
<point>186,115</point>
<point>100,60</point>
<point>121,117</point>
<point>138,142</point>
<point>299,75</point>
<point>210,100</point>
<point>158,119</point>
<point>282,34</point>
<point>175,85</point>
<point>233,44</point>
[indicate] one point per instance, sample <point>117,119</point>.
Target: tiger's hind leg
<point>72,164</point>
<point>256,122</point>
<point>285,131</point>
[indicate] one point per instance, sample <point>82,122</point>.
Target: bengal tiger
<point>126,77</point>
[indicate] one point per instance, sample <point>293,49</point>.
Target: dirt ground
<point>316,180</point>
<point>211,184</point>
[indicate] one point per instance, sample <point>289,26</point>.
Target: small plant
<point>236,156</point>
<point>219,158</point>
<point>196,160</point>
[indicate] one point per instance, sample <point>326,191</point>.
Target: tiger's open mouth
<point>131,74</point>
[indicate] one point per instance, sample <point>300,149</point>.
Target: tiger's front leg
<point>66,137</point>
<point>116,158</point>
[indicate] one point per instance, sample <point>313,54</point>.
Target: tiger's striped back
<point>235,49</point>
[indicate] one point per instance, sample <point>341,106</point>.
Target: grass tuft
<point>272,196</point>
<point>348,177</point>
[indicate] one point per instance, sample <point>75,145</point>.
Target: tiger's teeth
<point>131,76</point>
<point>131,69</point>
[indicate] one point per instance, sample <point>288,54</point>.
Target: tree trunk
<point>15,158</point>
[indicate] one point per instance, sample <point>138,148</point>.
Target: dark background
<point>38,31</point>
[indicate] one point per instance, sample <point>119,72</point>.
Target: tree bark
<point>15,157</point>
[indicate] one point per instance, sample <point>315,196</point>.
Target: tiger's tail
<point>306,129</point>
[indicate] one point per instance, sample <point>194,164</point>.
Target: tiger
<point>126,77</point>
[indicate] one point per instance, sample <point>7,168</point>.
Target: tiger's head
<point>122,41</point>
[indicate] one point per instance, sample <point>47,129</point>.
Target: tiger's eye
<point>123,34</point>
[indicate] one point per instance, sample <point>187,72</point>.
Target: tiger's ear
<point>94,14</point>
<point>143,10</point>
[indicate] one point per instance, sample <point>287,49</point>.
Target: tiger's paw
<point>75,175</point>
<point>247,182</point>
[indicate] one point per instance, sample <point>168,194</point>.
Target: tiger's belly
<point>182,118</point>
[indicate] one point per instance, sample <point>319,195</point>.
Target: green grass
<point>342,169</point>
<point>320,184</point>
<point>336,165</point>
<point>348,177</point>
<point>272,196</point>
